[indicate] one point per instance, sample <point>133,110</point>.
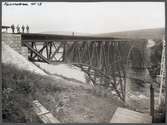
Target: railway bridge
<point>103,59</point>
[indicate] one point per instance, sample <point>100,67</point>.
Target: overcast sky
<point>100,17</point>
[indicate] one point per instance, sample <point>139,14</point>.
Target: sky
<point>95,17</point>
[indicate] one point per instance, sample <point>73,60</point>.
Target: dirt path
<point>79,104</point>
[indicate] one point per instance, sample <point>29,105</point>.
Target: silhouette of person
<point>27,28</point>
<point>23,28</point>
<point>18,29</point>
<point>13,28</point>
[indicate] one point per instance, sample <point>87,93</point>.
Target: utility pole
<point>162,72</point>
<point>152,102</point>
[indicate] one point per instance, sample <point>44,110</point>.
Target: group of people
<point>18,29</point>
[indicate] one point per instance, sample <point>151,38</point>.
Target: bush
<point>19,89</point>
<point>17,93</point>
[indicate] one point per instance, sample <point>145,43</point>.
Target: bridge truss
<point>102,59</point>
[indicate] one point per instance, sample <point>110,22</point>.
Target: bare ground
<point>80,104</point>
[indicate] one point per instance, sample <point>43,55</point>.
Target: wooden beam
<point>40,51</point>
<point>45,115</point>
<point>56,51</point>
<point>36,52</point>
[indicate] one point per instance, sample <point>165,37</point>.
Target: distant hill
<point>69,33</point>
<point>155,34</point>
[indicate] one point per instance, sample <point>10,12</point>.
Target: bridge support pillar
<point>14,41</point>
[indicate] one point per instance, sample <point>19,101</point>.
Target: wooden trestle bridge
<point>103,59</point>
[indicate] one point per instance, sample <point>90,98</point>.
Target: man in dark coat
<point>27,28</point>
<point>23,28</point>
<point>18,29</point>
<point>13,28</point>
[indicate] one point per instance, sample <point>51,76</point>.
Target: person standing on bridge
<point>18,29</point>
<point>27,28</point>
<point>23,27</point>
<point>13,28</point>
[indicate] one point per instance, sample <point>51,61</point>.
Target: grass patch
<point>19,89</point>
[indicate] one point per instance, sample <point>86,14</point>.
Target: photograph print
<point>83,62</point>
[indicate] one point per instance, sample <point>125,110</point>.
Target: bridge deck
<point>39,36</point>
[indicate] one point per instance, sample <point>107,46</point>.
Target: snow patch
<point>64,70</point>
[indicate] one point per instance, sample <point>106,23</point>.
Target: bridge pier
<point>15,42</point>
